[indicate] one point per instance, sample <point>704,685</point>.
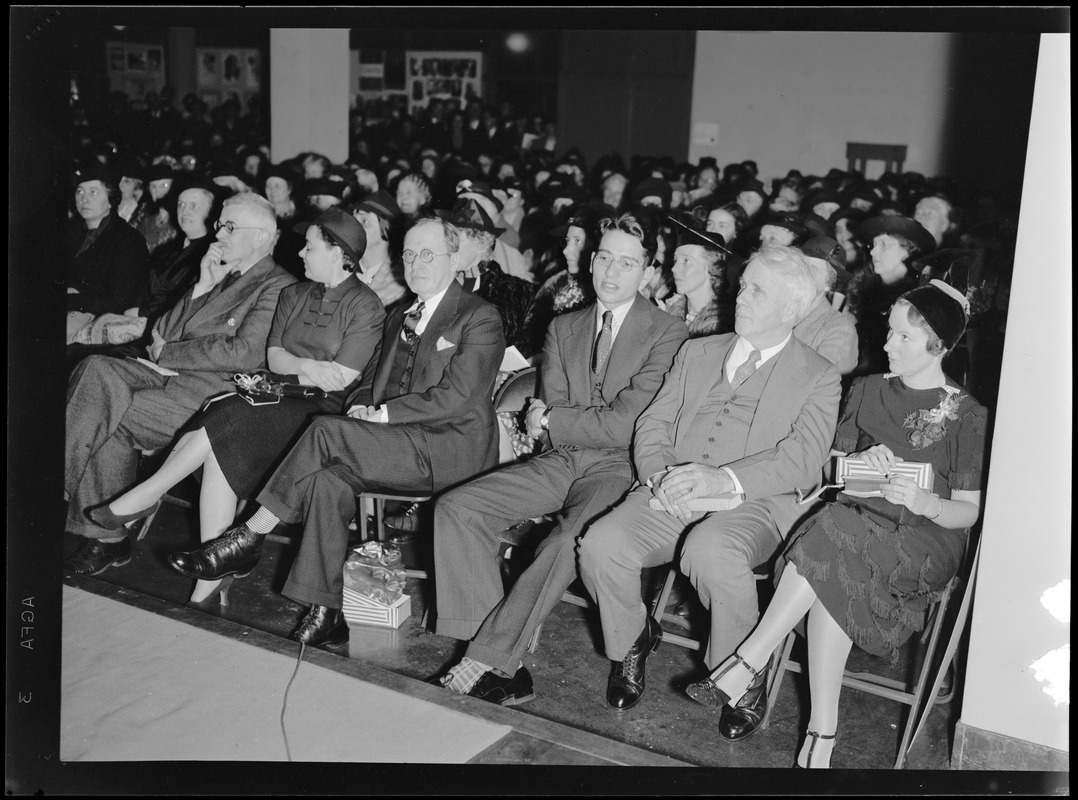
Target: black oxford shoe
<point>234,552</point>
<point>626,684</point>
<point>321,626</point>
<point>94,557</point>
<point>743,719</point>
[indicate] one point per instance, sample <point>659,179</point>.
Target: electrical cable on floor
<point>284,704</point>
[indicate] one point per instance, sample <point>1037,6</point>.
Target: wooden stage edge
<point>533,740</point>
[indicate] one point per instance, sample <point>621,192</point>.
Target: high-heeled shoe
<point>218,597</point>
<point>103,516</point>
<point>707,691</point>
<point>812,747</point>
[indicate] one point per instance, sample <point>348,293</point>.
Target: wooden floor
<point>533,740</point>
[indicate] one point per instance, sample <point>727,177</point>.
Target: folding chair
<point>932,670</point>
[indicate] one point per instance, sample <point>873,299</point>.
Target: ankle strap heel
<point>812,747</point>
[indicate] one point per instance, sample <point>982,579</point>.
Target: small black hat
<point>689,232</point>
<point>903,226</point>
<point>381,203</point>
<point>343,229</point>
<point>788,220</point>
<point>826,248</point>
<point>467,213</point>
<point>317,186</point>
<point>159,172</point>
<point>945,309</point>
<point>654,187</point>
<point>94,170</point>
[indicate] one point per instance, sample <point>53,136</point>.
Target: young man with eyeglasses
<point>117,407</point>
<point>422,421</point>
<point>602,365</point>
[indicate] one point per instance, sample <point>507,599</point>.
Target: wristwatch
<point>544,422</point>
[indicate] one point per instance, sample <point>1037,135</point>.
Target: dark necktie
<point>746,370</point>
<point>603,342</point>
<point>411,320</point>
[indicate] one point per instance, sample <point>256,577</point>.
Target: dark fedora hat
<point>466,213</point>
<point>343,229</point>
<point>689,232</point>
<point>827,249</point>
<point>902,226</point>
<point>381,203</point>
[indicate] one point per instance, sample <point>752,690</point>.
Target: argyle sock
<point>464,675</point>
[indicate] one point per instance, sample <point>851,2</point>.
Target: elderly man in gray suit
<point>602,365</point>
<point>745,416</point>
<point>119,407</point>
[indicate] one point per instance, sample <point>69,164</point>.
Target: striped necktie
<point>746,370</point>
<point>603,342</point>
<point>411,321</point>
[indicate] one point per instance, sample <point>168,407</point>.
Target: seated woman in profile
<point>865,568</point>
<point>325,332</point>
<point>698,277</point>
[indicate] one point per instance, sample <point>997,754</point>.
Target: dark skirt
<point>250,441</point>
<point>875,577</point>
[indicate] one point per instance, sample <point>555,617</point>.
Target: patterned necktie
<point>745,371</point>
<point>411,320</point>
<point>602,343</point>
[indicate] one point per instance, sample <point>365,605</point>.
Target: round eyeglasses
<point>426,256</point>
<point>231,227</point>
<point>604,258</point>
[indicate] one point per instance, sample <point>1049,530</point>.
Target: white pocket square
<point>444,344</point>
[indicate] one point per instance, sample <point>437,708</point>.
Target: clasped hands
<point>366,413</point>
<point>678,485</point>
<point>326,375</point>
<point>532,420</point>
<point>898,489</point>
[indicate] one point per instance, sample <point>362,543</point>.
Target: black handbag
<point>262,389</point>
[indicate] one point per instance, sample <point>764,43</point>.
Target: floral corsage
<point>929,425</point>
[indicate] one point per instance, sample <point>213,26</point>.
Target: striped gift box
<point>862,480</point>
<point>361,610</point>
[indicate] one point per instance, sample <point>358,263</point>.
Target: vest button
<point>711,438</point>
<point>726,411</point>
<point>706,455</point>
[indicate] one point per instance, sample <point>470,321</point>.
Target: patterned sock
<point>263,521</point>
<point>464,675</point>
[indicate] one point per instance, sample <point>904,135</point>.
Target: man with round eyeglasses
<point>118,407</point>
<point>421,421</point>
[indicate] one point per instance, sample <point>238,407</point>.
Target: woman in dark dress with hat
<point>381,267</point>
<point>865,568</point>
<point>896,242</point>
<point>324,334</point>
<point>699,262</point>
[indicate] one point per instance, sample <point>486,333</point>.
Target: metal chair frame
<point>919,697</point>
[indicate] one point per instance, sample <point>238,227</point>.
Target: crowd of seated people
<point>694,330</point>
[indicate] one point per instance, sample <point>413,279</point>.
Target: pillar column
<point>309,86</point>
<point>180,54</point>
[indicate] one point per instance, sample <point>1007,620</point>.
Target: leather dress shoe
<point>235,552</point>
<point>408,522</point>
<point>626,684</point>
<point>743,719</point>
<point>504,691</point>
<point>94,556</point>
<point>321,626</point>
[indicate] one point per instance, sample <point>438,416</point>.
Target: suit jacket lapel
<point>630,340</point>
<point>390,340</point>
<point>581,342</point>
<point>228,298</point>
<point>781,384</point>
<point>442,319</point>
